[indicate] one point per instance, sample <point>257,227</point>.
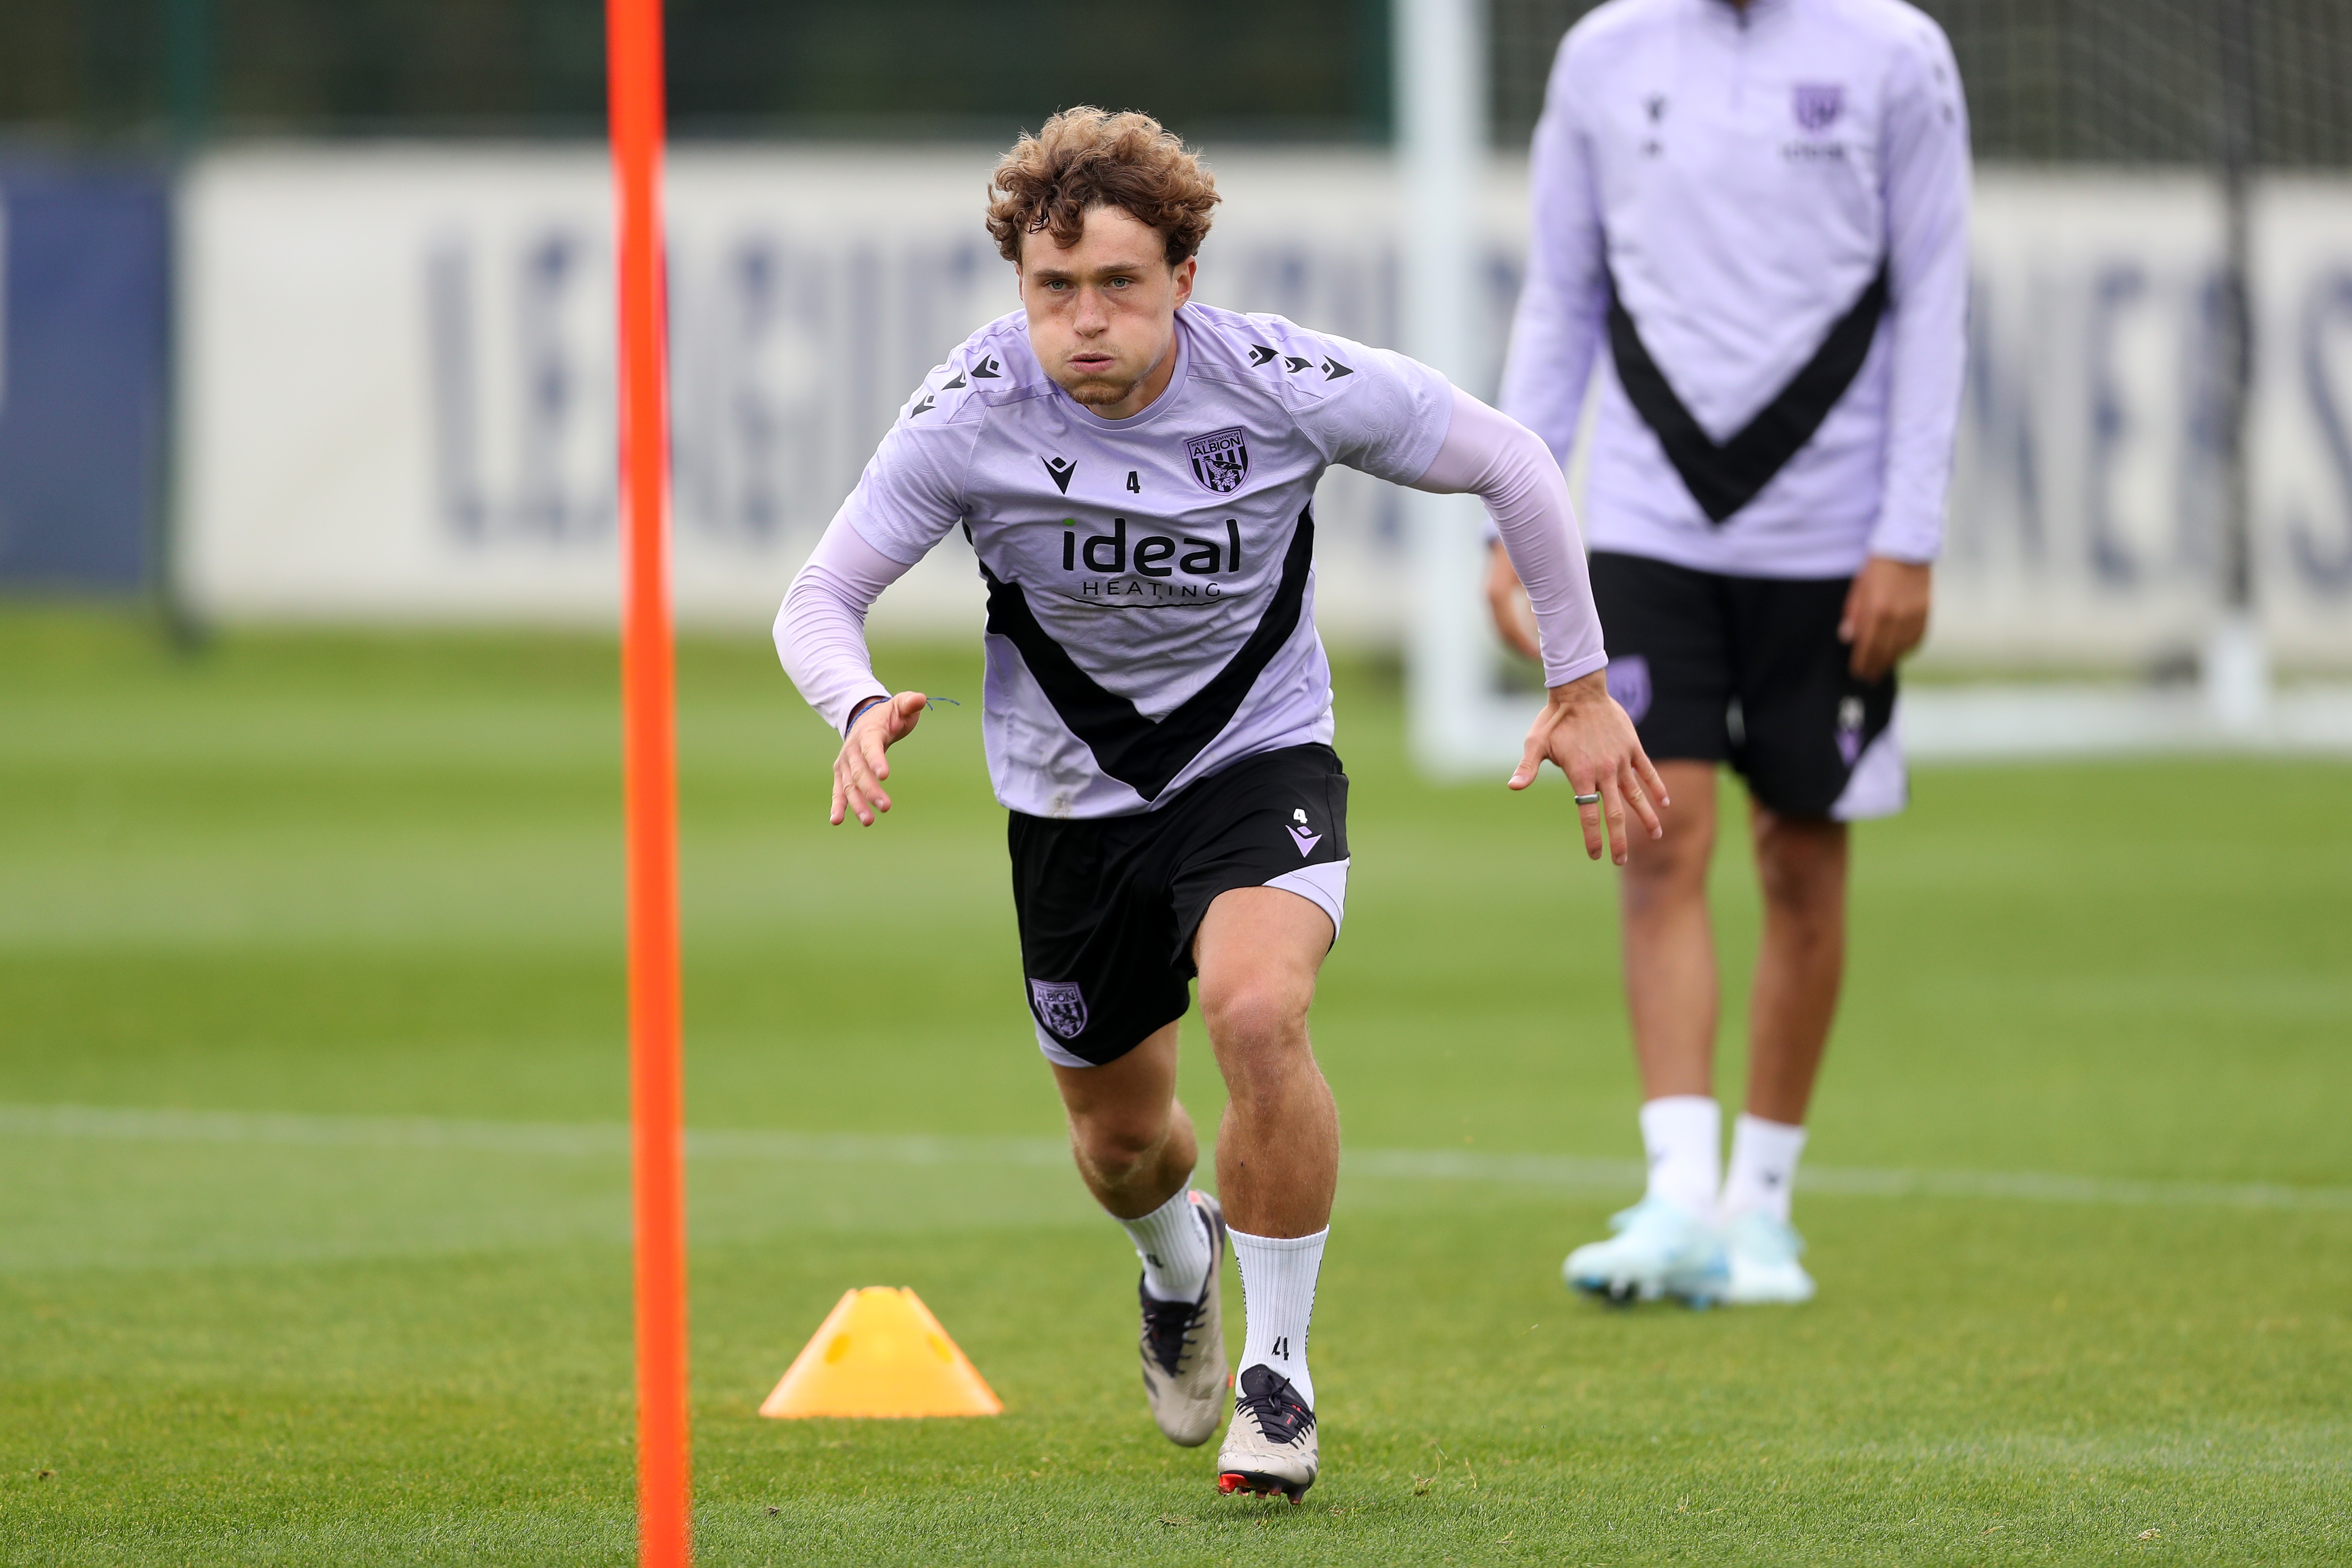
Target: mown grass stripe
<point>595,1140</point>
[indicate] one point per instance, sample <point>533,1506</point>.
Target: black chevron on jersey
<point>1140,753</point>
<point>1723,479</point>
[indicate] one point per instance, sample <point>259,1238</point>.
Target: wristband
<point>859,711</point>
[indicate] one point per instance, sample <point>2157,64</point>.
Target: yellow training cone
<point>881,1352</point>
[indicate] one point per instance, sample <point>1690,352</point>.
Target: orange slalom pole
<point>633,39</point>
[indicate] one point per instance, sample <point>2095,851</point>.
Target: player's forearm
<point>821,628</point>
<point>1927,190</point>
<point>1555,328</point>
<point>1929,350</point>
<point>1555,337</point>
<point>1508,466</point>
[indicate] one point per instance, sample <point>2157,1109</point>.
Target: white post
<point>2237,671</point>
<point>2236,666</point>
<point>1441,98</point>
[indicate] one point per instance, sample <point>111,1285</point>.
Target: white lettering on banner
<point>399,387</point>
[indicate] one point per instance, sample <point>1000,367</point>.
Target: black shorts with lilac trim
<point>1108,906</point>
<point>1749,671</point>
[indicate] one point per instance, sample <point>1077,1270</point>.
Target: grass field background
<point>314,1241</point>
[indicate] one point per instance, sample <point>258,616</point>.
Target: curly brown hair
<point>1087,157</point>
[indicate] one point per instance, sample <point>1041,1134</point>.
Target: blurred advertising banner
<point>2087,498</point>
<point>397,383</point>
<point>84,313</point>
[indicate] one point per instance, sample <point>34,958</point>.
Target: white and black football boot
<point>1185,1371</point>
<point>1271,1445</point>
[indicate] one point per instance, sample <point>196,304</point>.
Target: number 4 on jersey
<point>1134,484</point>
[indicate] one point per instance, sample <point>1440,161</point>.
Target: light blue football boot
<point>1763,1252</point>
<point>1659,1249</point>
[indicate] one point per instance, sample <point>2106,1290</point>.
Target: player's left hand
<point>1588,737</point>
<point>1885,613</point>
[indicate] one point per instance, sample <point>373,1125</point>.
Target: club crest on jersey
<point>1819,104</point>
<point>1220,459</point>
<point>1061,1007</point>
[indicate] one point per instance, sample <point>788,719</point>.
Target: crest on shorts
<point>1849,729</point>
<point>1818,104</point>
<point>1629,683</point>
<point>1220,459</point>
<point>1061,1007</point>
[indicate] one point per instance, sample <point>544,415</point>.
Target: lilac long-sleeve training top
<point>1756,218</point>
<point>1150,580</point>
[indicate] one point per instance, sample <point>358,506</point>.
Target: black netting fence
<point>909,69</point>
<point>2114,82</point>
<point>2133,82</point>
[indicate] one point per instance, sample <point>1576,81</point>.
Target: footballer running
<point>1136,473</point>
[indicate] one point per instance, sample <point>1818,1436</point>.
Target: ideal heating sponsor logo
<point>1152,568</point>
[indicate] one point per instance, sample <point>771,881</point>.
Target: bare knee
<point>1258,1028</point>
<point>1254,1012</point>
<point>1119,1145</point>
<point>1660,873</point>
<point>1801,865</point>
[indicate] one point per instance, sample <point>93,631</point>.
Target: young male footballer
<point>1759,210</point>
<point>1136,473</point>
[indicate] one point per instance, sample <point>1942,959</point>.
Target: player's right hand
<point>1583,732</point>
<point>863,764</point>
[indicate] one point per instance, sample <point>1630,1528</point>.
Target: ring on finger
<point>1592,799</point>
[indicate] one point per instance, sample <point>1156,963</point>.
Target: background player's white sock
<point>1763,1167</point>
<point>1278,1297</point>
<point>1682,1134</point>
<point>1174,1247</point>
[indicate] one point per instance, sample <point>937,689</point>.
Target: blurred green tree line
<point>2129,81</point>
<point>103,69</point>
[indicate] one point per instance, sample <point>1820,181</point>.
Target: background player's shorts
<point>1749,671</point>
<point>1107,905</point>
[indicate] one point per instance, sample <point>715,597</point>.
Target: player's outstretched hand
<point>1885,613</point>
<point>1514,619</point>
<point>863,764</point>
<point>1588,737</point>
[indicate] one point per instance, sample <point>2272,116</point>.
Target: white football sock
<point>1682,1134</point>
<point>1174,1247</point>
<point>1277,1298</point>
<point>1763,1167</point>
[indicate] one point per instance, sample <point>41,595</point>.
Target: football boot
<point>1659,1249</point>
<point>1184,1372</point>
<point>1270,1447</point>
<point>1761,1251</point>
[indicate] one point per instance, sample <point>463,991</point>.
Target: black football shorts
<point>1107,905</point>
<point>1749,671</point>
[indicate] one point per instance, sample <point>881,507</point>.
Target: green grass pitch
<point>313,1240</point>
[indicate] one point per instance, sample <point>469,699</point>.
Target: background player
<point>1135,474</point>
<point>1760,208</point>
